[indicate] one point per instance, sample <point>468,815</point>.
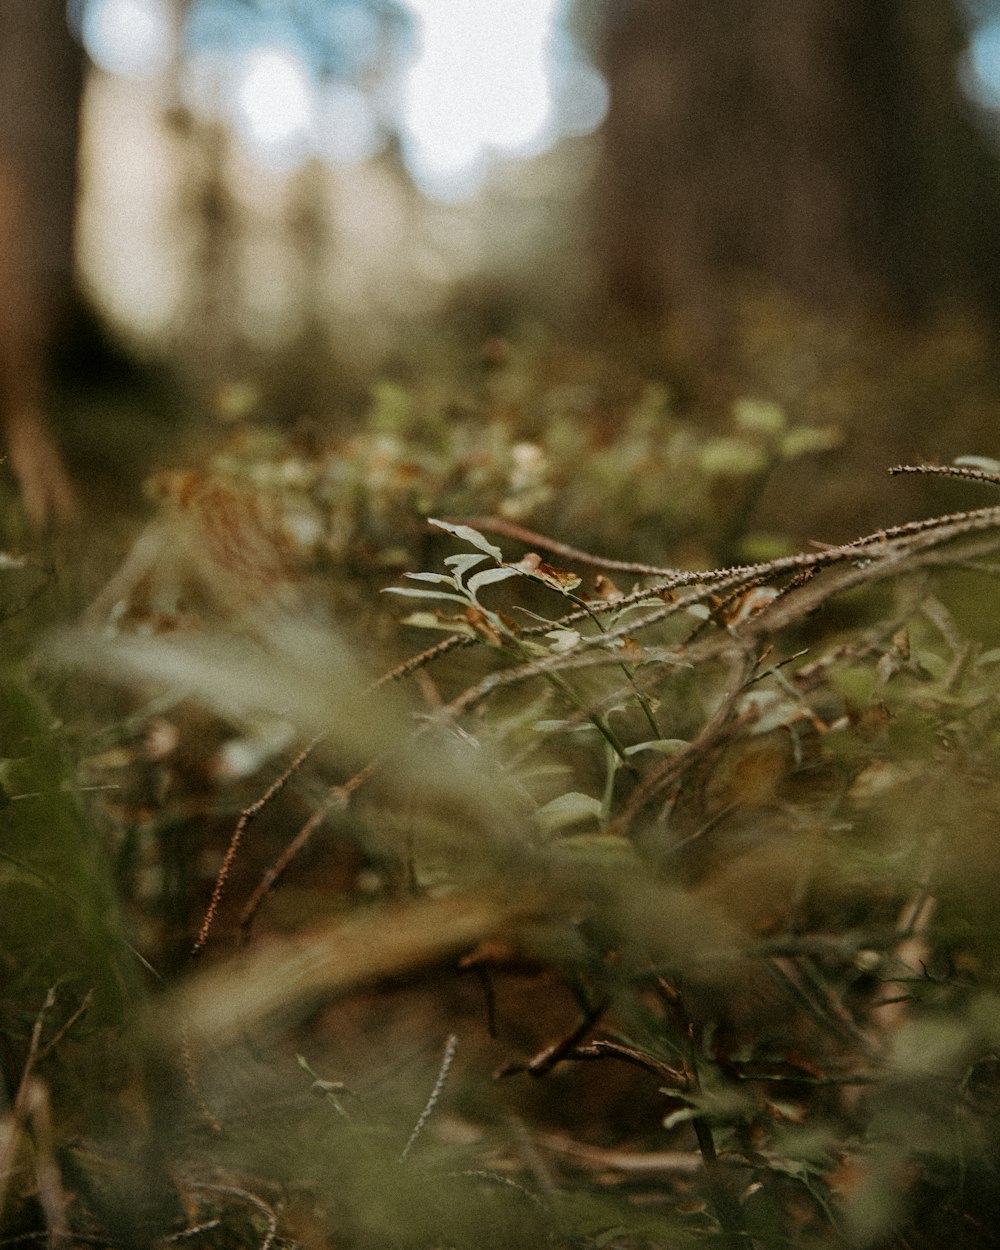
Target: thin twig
<point>54,1041</point>
<point>450,1047</point>
<point>949,470</point>
<point>337,796</point>
<point>248,814</point>
<point>509,529</point>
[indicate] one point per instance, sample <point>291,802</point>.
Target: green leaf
<point>468,535</point>
<point>662,746</point>
<point>464,561</point>
<point>410,592</point>
<point>487,576</point>
<point>428,620</point>
<point>568,809</point>
<point>431,577</point>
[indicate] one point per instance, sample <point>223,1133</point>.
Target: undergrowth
<point>647,906</point>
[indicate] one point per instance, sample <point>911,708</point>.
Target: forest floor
<point>496,823</point>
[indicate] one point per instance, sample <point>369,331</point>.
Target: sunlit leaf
<point>411,592</point>
<point>431,577</point>
<point>468,535</point>
<point>463,561</point>
<point>488,576</point>
<point>431,620</point>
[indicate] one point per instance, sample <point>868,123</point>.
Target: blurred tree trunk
<point>41,82</point>
<point>817,149</point>
<point>41,78</point>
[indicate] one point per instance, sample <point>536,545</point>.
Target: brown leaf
<point>480,623</point>
<point>558,579</point>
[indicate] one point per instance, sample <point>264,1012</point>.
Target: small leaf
<point>985,463</point>
<point>468,535</point>
<point>557,579</point>
<point>662,746</point>
<point>532,564</point>
<point>432,620</point>
<point>488,576</point>
<point>568,809</point>
<point>431,577</point>
<point>563,639</point>
<point>464,561</point>
<point>411,592</point>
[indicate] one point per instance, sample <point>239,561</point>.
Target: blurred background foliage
<point>644,909</point>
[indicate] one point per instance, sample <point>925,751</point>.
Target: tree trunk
<point>819,149</point>
<point>41,74</point>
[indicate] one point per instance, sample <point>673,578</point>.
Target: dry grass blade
<point>286,978</point>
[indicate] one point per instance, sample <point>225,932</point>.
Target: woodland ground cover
<point>623,877</point>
